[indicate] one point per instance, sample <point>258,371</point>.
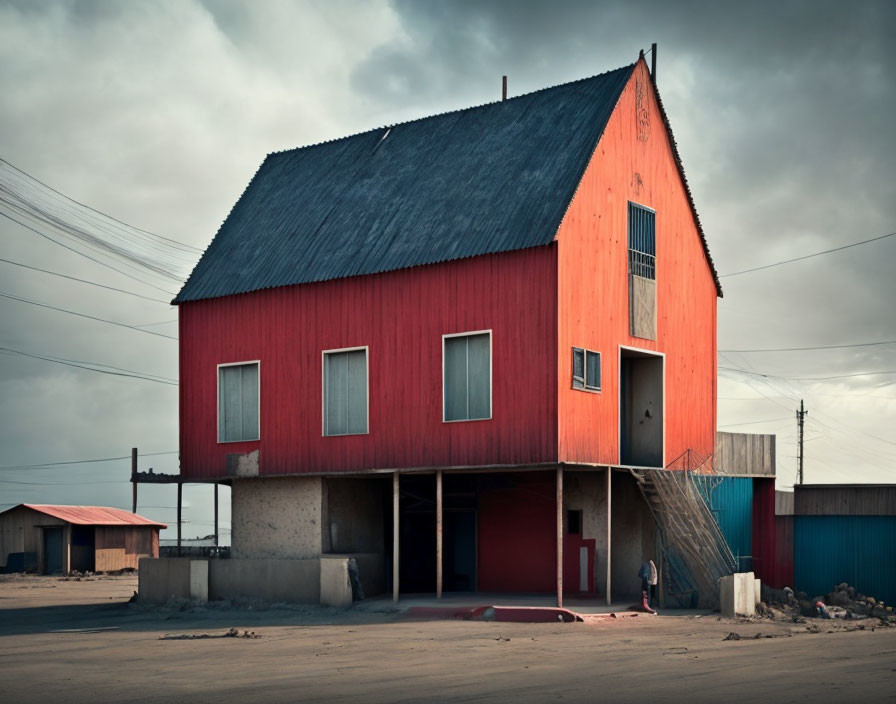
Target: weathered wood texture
<point>634,162</point>
<point>745,454</point>
<point>121,547</point>
<point>401,316</point>
<point>783,503</point>
<point>844,500</point>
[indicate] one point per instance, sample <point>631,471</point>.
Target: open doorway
<point>641,408</point>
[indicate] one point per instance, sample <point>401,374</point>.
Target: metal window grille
<point>641,241</point>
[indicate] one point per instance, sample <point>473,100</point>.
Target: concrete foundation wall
<point>178,577</point>
<point>277,518</point>
<point>634,536</point>
<point>587,492</point>
<point>272,580</point>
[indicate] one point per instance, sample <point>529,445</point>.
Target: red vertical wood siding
<point>517,535</point>
<point>401,316</point>
<point>764,529</point>
<point>593,289</point>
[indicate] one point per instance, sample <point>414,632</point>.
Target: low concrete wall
<point>273,580</point>
<point>160,578</point>
<point>335,587</point>
<point>738,594</point>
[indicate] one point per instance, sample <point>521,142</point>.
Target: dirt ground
<point>80,641</point>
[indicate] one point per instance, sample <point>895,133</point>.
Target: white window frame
<point>491,377</point>
<point>257,363</point>
<point>588,389</point>
<point>323,390</point>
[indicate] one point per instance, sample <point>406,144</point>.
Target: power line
<point>43,465</point>
<point>83,315</point>
<point>98,212</point>
<point>86,256</point>
<point>819,347</point>
<point>85,365</point>
<point>753,422</point>
<point>83,281</point>
<point>807,256</point>
<point>807,378</point>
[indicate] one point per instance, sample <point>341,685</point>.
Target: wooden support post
<point>134,479</point>
<point>559,537</point>
<point>180,491</point>
<point>216,514</point>
<point>609,532</point>
<point>395,536</point>
<point>438,534</point>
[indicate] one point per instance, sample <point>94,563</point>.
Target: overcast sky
<point>159,113</point>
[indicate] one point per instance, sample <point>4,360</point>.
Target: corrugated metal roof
<point>94,515</point>
<point>493,178</point>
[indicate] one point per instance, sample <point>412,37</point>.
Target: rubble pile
<point>842,602</point>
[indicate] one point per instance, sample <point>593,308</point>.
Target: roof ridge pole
<point>503,88</point>
<point>653,62</point>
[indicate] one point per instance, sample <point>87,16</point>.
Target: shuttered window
<point>641,241</point>
<point>585,369</point>
<point>238,402</point>
<point>467,391</point>
<point>345,392</point>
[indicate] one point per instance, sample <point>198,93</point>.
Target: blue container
<point>731,501</point>
<point>858,550</point>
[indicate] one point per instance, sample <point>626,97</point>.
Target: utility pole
<point>800,414</point>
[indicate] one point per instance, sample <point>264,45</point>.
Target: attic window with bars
<point>585,369</point>
<point>641,241</point>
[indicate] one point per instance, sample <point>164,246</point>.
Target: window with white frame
<point>345,391</point>
<point>585,369</point>
<point>467,376</point>
<point>238,402</point>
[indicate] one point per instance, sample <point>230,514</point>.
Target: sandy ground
<point>315,654</point>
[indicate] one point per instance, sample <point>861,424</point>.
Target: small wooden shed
<point>55,539</point>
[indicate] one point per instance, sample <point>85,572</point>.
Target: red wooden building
<point>452,330</point>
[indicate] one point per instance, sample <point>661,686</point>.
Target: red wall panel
<point>634,162</point>
<point>518,534</point>
<point>401,316</point>
<point>783,573</point>
<point>764,529</point>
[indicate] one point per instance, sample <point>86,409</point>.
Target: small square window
<point>574,522</point>
<point>585,369</point>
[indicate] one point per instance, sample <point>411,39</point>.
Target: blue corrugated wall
<point>858,550</point>
<point>731,501</point>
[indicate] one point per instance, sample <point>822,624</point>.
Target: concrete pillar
<point>395,536</point>
<point>609,532</point>
<point>559,537</point>
<point>438,534</point>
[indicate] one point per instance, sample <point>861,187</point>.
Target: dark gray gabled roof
<point>493,178</point>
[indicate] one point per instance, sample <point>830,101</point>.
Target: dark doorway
<point>459,533</point>
<point>417,530</point>
<point>83,549</point>
<point>641,409</point>
<point>53,549</point>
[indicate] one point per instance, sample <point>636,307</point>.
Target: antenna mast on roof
<point>503,88</point>
<point>653,61</point>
